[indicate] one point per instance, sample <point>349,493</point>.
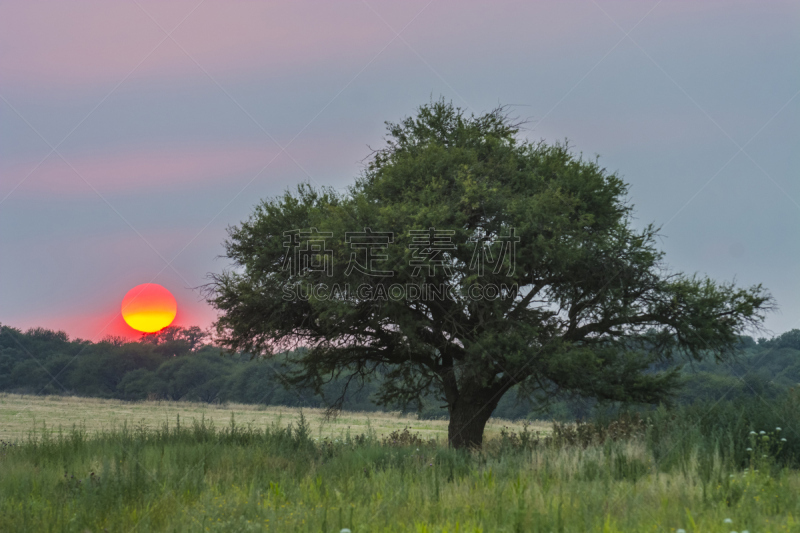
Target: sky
<point>133,133</point>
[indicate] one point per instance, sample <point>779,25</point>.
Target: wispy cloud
<point>156,170</point>
<point>87,42</point>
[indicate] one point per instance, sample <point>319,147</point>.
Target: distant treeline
<point>180,364</point>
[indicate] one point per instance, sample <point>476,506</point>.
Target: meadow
<point>700,468</point>
<point>20,414</point>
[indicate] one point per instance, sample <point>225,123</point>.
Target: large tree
<point>548,284</point>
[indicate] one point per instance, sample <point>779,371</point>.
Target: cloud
<point>161,169</point>
<point>88,42</point>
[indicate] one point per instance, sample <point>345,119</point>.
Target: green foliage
<point>593,311</point>
<point>724,430</point>
<point>761,372</point>
<point>161,366</point>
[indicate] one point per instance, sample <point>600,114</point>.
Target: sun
<point>149,307</point>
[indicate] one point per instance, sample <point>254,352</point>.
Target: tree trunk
<point>467,422</point>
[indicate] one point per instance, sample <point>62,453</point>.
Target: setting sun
<point>149,307</point>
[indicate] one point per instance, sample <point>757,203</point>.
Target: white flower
<point>783,440</point>
<point>727,521</point>
<point>345,530</point>
<point>749,450</point>
<point>753,433</point>
<point>745,531</point>
<point>763,456</point>
<point>680,531</point>
<point>777,428</point>
<point>762,432</point>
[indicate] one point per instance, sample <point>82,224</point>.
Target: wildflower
<point>680,531</point>
<point>762,432</point>
<point>749,450</point>
<point>783,440</point>
<point>753,433</point>
<point>777,428</point>
<point>344,530</point>
<point>727,521</point>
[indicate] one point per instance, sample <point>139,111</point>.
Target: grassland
<point>20,414</point>
<point>668,474</point>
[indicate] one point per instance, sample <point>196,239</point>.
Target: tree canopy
<point>464,261</point>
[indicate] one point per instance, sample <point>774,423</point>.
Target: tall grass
<point>662,471</point>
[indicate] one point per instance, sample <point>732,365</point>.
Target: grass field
<point>20,414</point>
<point>211,475</point>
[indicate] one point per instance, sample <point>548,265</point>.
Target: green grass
<point>689,470</point>
<point>19,413</point>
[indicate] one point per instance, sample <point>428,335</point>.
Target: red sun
<point>149,307</point>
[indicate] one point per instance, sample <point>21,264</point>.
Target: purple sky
<point>132,133</point>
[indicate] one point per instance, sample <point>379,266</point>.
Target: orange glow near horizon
<point>149,307</point>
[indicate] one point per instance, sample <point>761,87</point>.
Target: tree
<point>200,377</point>
<point>789,339</point>
<point>173,341</point>
<point>100,369</point>
<point>547,283</point>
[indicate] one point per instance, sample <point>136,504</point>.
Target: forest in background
<point>181,364</point>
